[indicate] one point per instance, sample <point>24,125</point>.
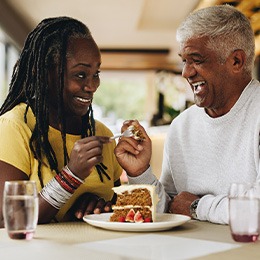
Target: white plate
<point>163,222</point>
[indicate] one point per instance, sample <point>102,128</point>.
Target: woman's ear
<point>238,58</point>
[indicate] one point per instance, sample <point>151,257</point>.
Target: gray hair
<point>227,29</point>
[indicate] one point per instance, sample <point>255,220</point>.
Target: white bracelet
<point>67,169</point>
<point>54,194</point>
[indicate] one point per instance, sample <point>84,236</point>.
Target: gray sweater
<point>204,155</point>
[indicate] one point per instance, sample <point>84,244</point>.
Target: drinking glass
<point>20,209</point>
<point>243,212</point>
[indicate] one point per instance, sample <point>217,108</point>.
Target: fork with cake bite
<point>127,133</point>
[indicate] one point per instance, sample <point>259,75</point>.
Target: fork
<point>127,133</point>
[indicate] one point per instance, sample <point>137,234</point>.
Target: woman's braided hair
<point>46,48</point>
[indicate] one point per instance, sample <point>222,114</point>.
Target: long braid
<point>89,129</point>
<point>45,48</point>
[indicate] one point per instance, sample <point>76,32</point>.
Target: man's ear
<point>238,59</point>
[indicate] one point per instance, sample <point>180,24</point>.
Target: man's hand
<point>134,156</point>
<point>180,204</point>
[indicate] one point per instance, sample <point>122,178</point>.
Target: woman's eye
<point>81,75</point>
<point>96,75</point>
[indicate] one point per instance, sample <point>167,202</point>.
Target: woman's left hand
<point>88,203</point>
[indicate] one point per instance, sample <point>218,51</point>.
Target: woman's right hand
<point>86,153</point>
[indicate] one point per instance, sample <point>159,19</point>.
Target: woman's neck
<point>73,124</point>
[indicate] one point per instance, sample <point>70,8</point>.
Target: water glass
<point>20,209</point>
<point>243,212</point>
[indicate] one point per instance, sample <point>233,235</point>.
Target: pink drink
<point>21,215</point>
<point>244,219</point>
<point>21,234</point>
<point>245,238</point>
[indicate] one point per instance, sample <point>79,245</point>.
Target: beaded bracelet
<point>55,194</point>
<point>61,187</point>
<point>64,183</point>
<point>67,170</point>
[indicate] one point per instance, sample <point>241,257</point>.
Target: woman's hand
<point>86,153</point>
<point>134,156</point>
<point>87,203</point>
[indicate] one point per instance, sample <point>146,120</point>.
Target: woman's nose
<point>90,86</point>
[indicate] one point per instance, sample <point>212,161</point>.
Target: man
<point>216,141</point>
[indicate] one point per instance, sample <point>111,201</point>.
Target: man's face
<point>207,76</point>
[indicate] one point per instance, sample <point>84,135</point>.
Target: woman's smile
<point>83,100</point>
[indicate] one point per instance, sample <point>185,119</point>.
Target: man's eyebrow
<point>191,54</point>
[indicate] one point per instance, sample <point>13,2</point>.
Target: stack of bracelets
<point>61,187</point>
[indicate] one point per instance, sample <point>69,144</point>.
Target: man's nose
<point>188,71</point>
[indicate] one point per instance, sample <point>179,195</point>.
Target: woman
<point>47,129</point>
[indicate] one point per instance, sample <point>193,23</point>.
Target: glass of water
<point>20,209</point>
<point>244,212</point>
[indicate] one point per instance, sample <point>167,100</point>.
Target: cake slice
<point>135,203</point>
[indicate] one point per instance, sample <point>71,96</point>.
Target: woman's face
<point>81,78</point>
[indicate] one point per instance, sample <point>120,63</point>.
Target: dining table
<point>81,240</point>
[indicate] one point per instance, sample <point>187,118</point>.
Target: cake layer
<point>136,197</point>
<point>137,201</point>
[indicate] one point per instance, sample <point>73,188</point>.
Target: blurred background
<point>141,71</point>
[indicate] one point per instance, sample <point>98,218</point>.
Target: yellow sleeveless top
<point>15,150</point>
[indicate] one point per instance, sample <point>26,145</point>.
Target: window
<point>2,72</point>
<point>126,95</point>
<point>8,57</point>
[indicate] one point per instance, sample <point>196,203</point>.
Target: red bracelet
<point>70,178</point>
<point>64,184</point>
<point>67,169</point>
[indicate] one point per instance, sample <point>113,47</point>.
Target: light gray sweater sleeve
<point>149,178</point>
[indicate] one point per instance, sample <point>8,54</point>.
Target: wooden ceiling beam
<point>136,61</point>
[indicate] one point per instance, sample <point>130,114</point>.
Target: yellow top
<point>15,150</point>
